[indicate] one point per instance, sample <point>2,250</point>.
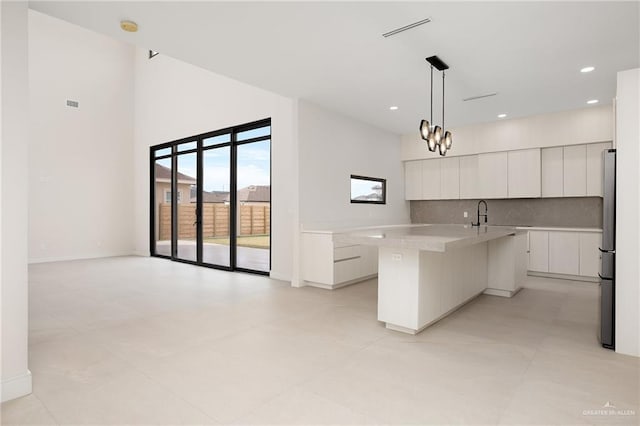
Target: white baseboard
<point>279,276</point>
<point>15,387</point>
<point>500,292</point>
<point>78,257</point>
<point>339,285</point>
<point>563,276</point>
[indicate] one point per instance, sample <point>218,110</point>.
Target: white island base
<point>438,273</point>
<point>417,288</point>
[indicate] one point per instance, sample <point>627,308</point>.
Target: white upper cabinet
<point>594,168</point>
<point>575,171</point>
<point>450,178</point>
<point>469,176</point>
<point>413,180</point>
<point>569,171</point>
<point>552,171</point>
<point>524,173</point>
<point>492,175</point>
<point>431,179</point>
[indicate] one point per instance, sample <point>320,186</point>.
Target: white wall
<point>15,375</point>
<point>174,100</point>
<point>627,213</point>
<point>331,148</point>
<point>80,159</point>
<point>580,126</point>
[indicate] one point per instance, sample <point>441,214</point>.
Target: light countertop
<point>340,230</point>
<point>438,238</point>
<point>558,229</point>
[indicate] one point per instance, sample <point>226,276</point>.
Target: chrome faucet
<point>486,211</point>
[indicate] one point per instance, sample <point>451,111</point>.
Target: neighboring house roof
<point>210,196</point>
<point>254,193</point>
<point>163,174</point>
<point>370,197</point>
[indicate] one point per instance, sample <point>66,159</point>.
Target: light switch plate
<point>466,214</point>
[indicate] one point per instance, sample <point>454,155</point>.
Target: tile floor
<point>148,341</point>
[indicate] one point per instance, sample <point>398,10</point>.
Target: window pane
<point>187,219</point>
<point>367,190</point>
<point>216,211</point>
<point>253,206</point>
<point>216,140</point>
<point>254,133</point>
<point>187,146</point>
<point>163,152</point>
<point>162,175</point>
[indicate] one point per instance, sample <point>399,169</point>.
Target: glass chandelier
<point>435,136</point>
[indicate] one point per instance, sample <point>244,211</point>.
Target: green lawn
<point>254,241</point>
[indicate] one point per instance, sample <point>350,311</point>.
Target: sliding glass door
<point>211,199</point>
<point>216,217</point>
<point>186,229</point>
<point>253,205</point>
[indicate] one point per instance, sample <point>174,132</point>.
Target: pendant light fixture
<point>436,136</point>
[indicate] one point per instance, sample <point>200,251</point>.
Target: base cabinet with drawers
<point>329,265</point>
<point>565,252</point>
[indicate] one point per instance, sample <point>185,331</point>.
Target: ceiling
<point>333,53</point>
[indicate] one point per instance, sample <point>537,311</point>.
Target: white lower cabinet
<point>329,265</point>
<point>539,251</point>
<point>590,254</point>
<point>565,252</point>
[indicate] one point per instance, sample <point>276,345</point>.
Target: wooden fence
<point>253,220</point>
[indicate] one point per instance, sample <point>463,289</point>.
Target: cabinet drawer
<point>347,252</point>
<point>347,270</point>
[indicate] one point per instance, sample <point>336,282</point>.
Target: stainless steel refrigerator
<point>608,253</point>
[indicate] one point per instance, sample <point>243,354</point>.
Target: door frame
<point>233,193</point>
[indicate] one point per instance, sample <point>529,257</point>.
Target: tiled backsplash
<point>579,212</point>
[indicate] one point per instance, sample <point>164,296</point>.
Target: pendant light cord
<point>431,110</point>
<point>443,102</point>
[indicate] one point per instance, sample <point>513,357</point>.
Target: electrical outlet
<point>396,256</point>
<point>466,214</point>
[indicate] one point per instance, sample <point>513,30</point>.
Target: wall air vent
<point>473,98</point>
<point>406,27</point>
<point>72,104</point>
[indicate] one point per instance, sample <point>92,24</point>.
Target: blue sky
<point>253,166</point>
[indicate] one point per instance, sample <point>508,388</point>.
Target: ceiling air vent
<point>473,98</point>
<point>406,27</point>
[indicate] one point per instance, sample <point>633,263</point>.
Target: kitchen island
<point>426,272</point>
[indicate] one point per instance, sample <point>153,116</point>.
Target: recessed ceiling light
<point>129,26</point>
<point>393,108</point>
<point>592,101</point>
<point>502,115</point>
<point>587,69</point>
